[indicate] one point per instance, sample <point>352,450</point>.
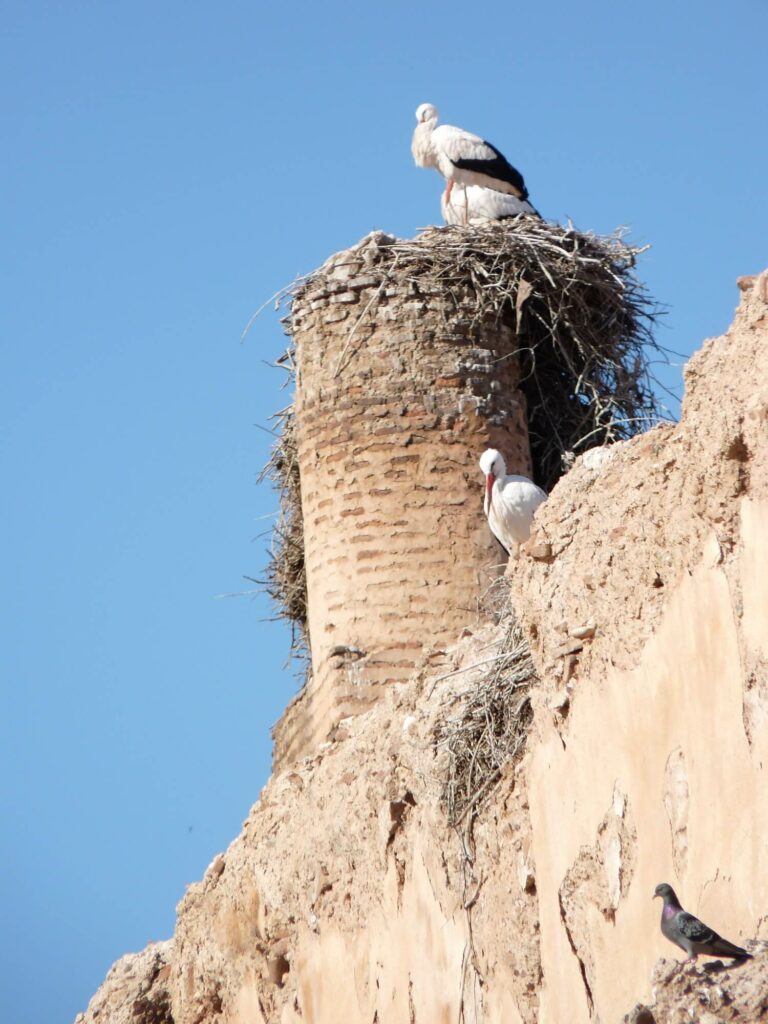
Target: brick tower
<point>399,388</point>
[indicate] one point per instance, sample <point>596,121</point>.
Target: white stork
<point>510,502</point>
<point>461,157</point>
<point>473,204</point>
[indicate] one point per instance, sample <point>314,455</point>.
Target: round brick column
<point>398,391</point>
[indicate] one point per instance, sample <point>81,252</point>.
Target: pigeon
<point>691,934</point>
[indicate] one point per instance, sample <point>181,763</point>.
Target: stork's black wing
<point>496,166</point>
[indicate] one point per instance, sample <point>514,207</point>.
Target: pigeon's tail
<point>722,947</point>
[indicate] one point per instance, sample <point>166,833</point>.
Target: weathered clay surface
<point>348,879</point>
<point>347,898</point>
<point>714,993</point>
<point>658,550</point>
<point>135,989</point>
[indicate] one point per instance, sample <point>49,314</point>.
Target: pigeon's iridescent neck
<point>669,910</point>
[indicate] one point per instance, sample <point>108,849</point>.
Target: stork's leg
<point>466,206</point>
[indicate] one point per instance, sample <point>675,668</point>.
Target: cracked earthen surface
<point>135,989</point>
<point>707,993</point>
<point>662,550</point>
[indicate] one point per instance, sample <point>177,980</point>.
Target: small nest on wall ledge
<point>584,324</point>
<point>489,727</point>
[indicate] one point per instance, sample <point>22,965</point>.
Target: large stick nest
<point>584,327</point>
<point>583,321</point>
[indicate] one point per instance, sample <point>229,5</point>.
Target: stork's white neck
<point>423,146</point>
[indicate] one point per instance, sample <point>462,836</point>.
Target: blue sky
<point>168,167</point>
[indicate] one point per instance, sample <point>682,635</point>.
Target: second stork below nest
<point>510,501</point>
<point>473,204</point>
<point>467,160</point>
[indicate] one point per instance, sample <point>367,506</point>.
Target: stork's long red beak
<point>489,488</point>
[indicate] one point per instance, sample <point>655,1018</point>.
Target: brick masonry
<point>398,391</point>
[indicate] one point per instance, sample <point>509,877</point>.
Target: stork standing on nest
<point>463,158</point>
<point>510,502</point>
